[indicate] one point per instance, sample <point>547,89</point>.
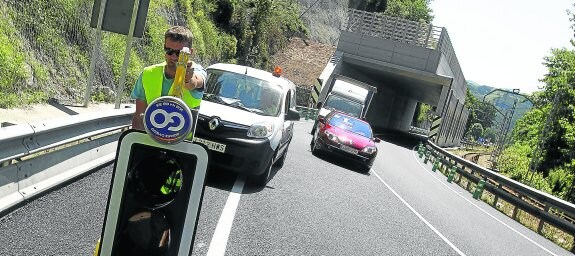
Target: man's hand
<point>137,120</point>
<point>192,81</point>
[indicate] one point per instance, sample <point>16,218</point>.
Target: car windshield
<point>243,91</point>
<point>336,102</point>
<point>350,124</point>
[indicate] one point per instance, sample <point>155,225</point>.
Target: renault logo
<point>214,123</point>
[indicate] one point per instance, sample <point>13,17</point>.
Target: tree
<point>423,113</point>
<point>490,134</point>
<point>479,112</point>
<point>549,125</point>
<point>476,130</point>
<point>368,5</point>
<point>415,10</point>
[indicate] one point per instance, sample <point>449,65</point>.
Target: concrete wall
<point>391,111</point>
<point>458,85</point>
<point>394,52</point>
<point>377,61</point>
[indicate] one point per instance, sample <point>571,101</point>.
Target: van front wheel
<point>262,179</point>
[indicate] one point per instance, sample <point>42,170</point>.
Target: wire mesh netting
<point>55,41</point>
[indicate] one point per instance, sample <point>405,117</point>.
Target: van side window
<point>293,102</point>
<point>287,102</point>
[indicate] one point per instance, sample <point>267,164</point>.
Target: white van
<point>246,119</point>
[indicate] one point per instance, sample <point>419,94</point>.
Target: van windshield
<point>244,92</point>
<point>352,108</point>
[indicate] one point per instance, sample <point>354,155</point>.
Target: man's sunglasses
<point>170,51</point>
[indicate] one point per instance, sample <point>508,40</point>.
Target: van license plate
<point>211,145</point>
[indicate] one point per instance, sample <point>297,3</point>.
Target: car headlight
<point>332,137</point>
<point>369,150</point>
<point>261,130</point>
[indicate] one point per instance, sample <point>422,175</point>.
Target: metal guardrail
<point>307,113</point>
<point>547,208</point>
<point>418,130</point>
<point>39,156</point>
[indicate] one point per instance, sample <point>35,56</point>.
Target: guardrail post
<point>515,210</point>
<point>451,173</point>
<point>479,189</point>
<point>459,177</point>
<point>435,165</point>
<point>541,222</point>
<point>468,181</point>
<point>306,110</point>
<point>420,152</point>
<point>496,198</point>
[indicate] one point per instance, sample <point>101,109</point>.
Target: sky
<point>502,43</point>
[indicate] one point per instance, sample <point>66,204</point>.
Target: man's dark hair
<point>180,34</point>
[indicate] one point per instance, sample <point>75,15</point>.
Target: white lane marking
<point>419,216</point>
<point>477,206</point>
<point>220,239</point>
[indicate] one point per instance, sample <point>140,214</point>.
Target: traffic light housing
<point>154,198</point>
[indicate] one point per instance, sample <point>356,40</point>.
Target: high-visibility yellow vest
<point>152,78</point>
<point>172,184</point>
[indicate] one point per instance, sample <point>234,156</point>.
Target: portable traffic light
<point>157,186</point>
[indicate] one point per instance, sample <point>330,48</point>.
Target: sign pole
<point>120,89</point>
<point>88,91</point>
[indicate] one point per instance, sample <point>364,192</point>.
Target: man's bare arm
<point>137,120</point>
<point>193,80</point>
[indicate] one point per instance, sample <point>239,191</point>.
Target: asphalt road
<point>312,206</point>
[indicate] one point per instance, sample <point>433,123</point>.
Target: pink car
<point>344,135</point>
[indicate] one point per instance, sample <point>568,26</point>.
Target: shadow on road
<point>341,162</point>
<point>224,180</point>
<point>402,139</point>
<point>54,103</point>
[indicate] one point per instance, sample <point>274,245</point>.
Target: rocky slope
<point>302,61</point>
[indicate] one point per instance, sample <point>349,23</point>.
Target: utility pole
<point>505,124</point>
<point>503,135</point>
<point>534,163</point>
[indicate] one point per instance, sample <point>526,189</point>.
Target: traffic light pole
<point>155,197</point>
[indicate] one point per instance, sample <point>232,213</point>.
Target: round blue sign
<point>168,120</point>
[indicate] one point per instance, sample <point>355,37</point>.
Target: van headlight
<point>261,130</point>
<point>369,150</point>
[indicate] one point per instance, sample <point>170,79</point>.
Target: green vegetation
<point>498,99</point>
<point>480,116</point>
<point>424,113</point>
<point>415,10</point>
<point>13,75</point>
<point>45,46</point>
<point>548,126</point>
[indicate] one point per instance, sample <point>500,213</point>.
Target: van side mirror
<point>376,140</point>
<point>321,120</point>
<point>292,115</point>
<point>318,105</point>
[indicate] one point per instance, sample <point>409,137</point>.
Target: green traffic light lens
<point>157,180</point>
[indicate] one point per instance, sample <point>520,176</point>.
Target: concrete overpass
<point>408,62</point>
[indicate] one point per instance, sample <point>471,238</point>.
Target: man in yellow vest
<point>156,80</point>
